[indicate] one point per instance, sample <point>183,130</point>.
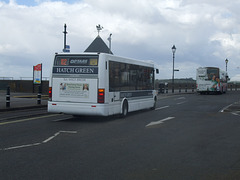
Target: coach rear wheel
<point>124,109</point>
<point>154,104</point>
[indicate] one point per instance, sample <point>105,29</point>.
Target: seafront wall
<point>26,86</point>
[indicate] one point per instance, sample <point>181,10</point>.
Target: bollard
<point>192,88</point>
<point>167,89</point>
<point>231,87</point>
<point>39,94</point>
<point>185,88</point>
<point>179,88</point>
<point>8,97</point>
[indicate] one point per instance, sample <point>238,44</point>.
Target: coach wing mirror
<point>157,71</point>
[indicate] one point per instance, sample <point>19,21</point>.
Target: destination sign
<point>76,61</point>
<point>75,70</point>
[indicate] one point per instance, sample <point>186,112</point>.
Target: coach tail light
<point>101,95</point>
<point>50,93</point>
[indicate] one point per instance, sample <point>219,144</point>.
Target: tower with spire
<point>98,45</point>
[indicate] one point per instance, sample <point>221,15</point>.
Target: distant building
<point>98,46</point>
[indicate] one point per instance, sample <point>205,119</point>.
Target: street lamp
<point>65,33</point>
<point>226,61</point>
<point>110,42</point>
<point>173,51</point>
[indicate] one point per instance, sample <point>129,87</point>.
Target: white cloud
<point>205,33</point>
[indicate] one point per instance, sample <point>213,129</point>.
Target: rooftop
<point>98,46</point>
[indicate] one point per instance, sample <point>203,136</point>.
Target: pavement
<point>20,101</point>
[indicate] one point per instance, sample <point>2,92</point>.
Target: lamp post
<point>226,61</point>
<point>173,51</point>
<point>65,33</point>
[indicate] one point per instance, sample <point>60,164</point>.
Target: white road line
<point>161,107</point>
<point>222,110</point>
<point>181,102</point>
<point>69,132</point>
<point>22,146</point>
<point>50,138</point>
<point>56,134</point>
<point>62,119</point>
<point>159,122</point>
<point>236,114</point>
<point>181,98</point>
<point>37,144</point>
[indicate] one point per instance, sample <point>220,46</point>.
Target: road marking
<point>22,146</point>
<point>225,108</point>
<point>181,102</point>
<point>56,134</point>
<point>62,119</point>
<point>39,143</point>
<point>28,119</point>
<point>181,98</point>
<point>236,114</point>
<point>161,107</point>
<point>159,122</point>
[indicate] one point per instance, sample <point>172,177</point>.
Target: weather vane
<point>99,28</point>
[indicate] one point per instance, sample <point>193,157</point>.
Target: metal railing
<point>6,78</point>
<point>22,78</point>
<point>190,88</point>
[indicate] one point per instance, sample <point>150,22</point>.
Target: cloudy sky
<point>205,33</point>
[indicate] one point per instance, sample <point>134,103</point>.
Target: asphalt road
<point>188,136</point>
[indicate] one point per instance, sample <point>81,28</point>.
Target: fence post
<point>39,94</point>
<point>8,97</point>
